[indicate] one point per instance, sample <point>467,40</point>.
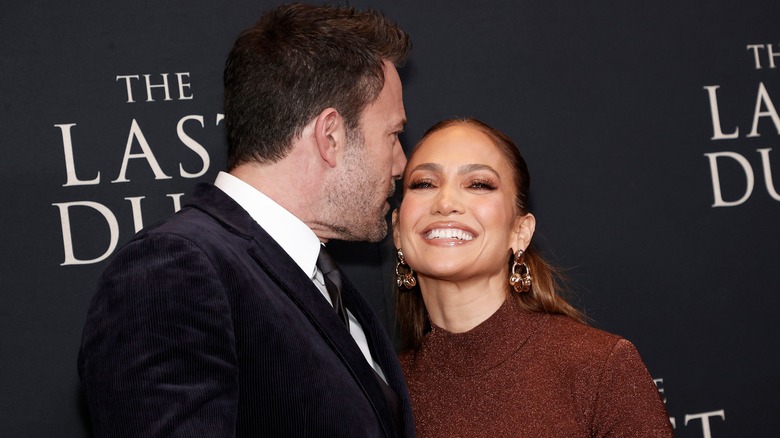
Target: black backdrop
<point>650,129</point>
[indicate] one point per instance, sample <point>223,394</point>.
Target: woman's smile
<point>448,234</point>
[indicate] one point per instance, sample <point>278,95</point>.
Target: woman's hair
<point>544,296</point>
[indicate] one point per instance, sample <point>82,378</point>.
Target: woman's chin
<point>451,272</point>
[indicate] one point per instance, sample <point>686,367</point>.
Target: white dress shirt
<point>295,238</point>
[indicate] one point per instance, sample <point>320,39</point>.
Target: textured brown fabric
<point>523,374</point>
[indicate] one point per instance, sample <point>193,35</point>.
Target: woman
<point>492,349</point>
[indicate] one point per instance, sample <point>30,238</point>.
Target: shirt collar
<point>294,236</point>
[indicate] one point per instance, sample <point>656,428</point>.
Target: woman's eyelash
<point>478,184</point>
<point>483,185</point>
<point>421,184</point>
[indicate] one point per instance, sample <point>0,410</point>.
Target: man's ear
<point>396,231</point>
<point>524,228</point>
<point>329,135</point>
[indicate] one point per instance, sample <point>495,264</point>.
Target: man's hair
<point>297,61</point>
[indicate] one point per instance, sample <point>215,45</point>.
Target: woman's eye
<point>481,185</point>
<point>420,184</point>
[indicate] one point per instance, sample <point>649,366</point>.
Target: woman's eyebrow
<point>468,168</point>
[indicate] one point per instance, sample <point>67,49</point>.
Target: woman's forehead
<point>457,145</point>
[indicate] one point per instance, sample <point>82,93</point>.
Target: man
<point>219,322</point>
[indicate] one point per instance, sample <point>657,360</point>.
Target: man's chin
<point>369,233</point>
<point>377,234</point>
<point>378,237</point>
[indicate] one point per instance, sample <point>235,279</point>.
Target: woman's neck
<point>460,306</point>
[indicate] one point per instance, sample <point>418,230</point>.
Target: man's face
<point>373,160</point>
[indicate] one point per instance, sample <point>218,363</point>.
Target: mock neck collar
<point>485,346</point>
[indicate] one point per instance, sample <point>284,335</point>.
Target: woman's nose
<point>447,201</point>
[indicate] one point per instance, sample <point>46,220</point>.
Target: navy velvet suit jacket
<point>203,326</point>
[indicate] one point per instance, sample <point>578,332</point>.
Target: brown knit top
<point>524,374</point>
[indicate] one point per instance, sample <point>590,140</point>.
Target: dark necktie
<point>333,283</point>
<point>332,276</point>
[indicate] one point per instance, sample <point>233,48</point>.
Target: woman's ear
<point>396,231</point>
<point>524,228</point>
<point>329,135</point>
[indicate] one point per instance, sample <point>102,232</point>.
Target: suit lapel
<point>378,343</point>
<point>300,289</point>
<point>382,351</point>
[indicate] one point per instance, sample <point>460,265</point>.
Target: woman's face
<point>458,218</point>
